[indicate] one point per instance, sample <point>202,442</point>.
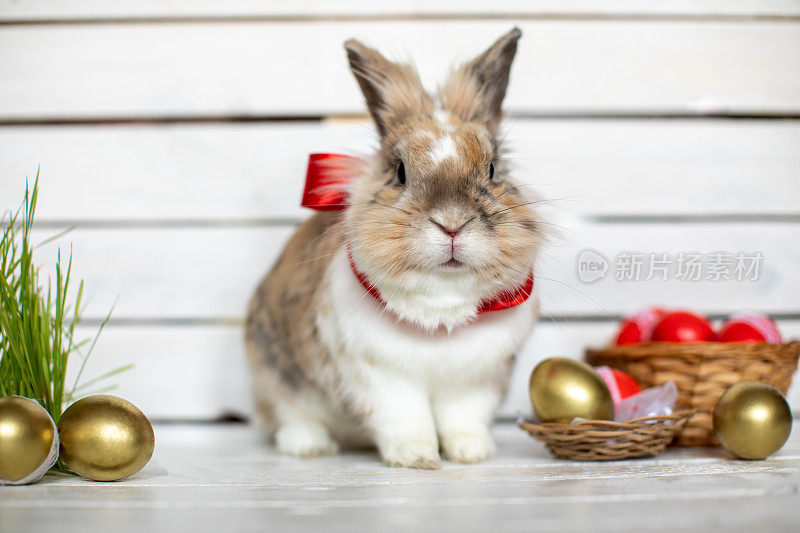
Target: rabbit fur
<point>437,226</point>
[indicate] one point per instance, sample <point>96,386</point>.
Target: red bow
<point>326,190</point>
<point>326,182</point>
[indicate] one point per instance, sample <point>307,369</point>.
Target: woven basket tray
<point>601,440</point>
<point>702,373</point>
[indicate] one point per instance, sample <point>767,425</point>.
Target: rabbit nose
<point>450,230</point>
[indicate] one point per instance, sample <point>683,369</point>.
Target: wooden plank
<point>170,172</point>
<point>622,243</point>
<point>44,10</point>
<point>170,273</point>
<point>299,69</point>
<point>255,171</point>
<point>180,372</point>
<point>210,477</point>
<point>206,477</point>
<point>198,372</point>
<point>199,272</point>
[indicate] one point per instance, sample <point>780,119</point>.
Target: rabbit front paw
<point>305,440</point>
<point>412,454</point>
<point>468,446</point>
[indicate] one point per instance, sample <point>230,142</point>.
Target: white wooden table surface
<point>224,478</point>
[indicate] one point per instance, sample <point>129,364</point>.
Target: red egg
<point>620,384</point>
<point>682,326</point>
<point>637,328</point>
<point>750,327</point>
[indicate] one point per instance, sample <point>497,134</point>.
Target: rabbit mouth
<point>453,263</point>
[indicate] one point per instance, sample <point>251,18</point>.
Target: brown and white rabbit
<point>436,226</point>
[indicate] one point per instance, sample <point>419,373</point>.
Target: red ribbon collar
<point>326,190</point>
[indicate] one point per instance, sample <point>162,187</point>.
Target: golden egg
<point>562,389</point>
<point>28,441</point>
<point>752,420</point>
<point>105,438</point>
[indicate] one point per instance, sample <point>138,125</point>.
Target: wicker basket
<point>702,372</point>
<point>601,440</point>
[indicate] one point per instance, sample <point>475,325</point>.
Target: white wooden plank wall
<point>172,136</point>
<point>70,10</point>
<point>272,69</point>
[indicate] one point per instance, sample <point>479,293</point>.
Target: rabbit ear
<point>475,90</point>
<point>393,91</point>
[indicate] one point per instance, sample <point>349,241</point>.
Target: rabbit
<point>435,226</point>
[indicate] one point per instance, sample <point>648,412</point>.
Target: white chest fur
<point>361,327</point>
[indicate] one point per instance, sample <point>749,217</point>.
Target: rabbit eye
<point>491,171</point>
<point>401,173</point>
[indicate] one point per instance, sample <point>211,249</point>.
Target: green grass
<point>37,322</point>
